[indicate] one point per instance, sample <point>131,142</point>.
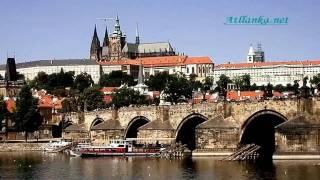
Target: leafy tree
<point>315,80</point>
<point>223,81</point>
<point>246,82</point>
<point>125,96</point>
<point>254,87</point>
<point>3,110</point>
<point>222,84</point>
<point>115,79</point>
<point>27,117</point>
<point>289,87</point>
<point>40,81</point>
<point>92,98</point>
<point>83,81</point>
<point>296,87</point>
<point>178,89</point>
<point>269,89</point>
<point>158,81</point>
<point>279,88</point>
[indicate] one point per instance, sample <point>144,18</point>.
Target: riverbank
<point>21,146</point>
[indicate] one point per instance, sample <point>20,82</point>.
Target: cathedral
<point>115,47</point>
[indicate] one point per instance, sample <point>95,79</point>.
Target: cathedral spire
<point>117,29</point>
<point>137,35</point>
<point>95,45</point>
<point>106,38</point>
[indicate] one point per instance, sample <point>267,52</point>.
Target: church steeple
<point>95,45</point>
<point>137,35</point>
<point>117,30</point>
<point>106,38</point>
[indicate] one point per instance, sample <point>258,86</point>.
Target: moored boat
<point>57,146</point>
<point>75,151</point>
<point>118,148</point>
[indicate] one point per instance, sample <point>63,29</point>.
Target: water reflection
<point>58,166</point>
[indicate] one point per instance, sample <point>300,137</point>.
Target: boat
<point>119,147</point>
<point>75,151</point>
<point>57,146</point>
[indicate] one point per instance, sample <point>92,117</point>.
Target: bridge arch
<point>96,121</point>
<point>259,129</point>
<point>132,129</point>
<point>185,132</point>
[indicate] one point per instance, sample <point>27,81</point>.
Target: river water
<point>36,165</point>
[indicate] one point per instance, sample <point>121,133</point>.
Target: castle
<point>115,47</point>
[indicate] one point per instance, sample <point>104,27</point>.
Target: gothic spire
<point>95,45</point>
<point>137,35</point>
<point>106,38</point>
<point>117,29</point>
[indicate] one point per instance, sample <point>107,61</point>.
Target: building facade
<point>115,46</point>
<point>276,72</point>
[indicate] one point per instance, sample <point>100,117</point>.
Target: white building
<point>262,73</point>
<point>32,68</point>
<point>201,66</point>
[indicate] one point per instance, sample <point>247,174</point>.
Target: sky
<point>63,29</point>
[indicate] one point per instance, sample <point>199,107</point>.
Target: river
<point>37,165</point>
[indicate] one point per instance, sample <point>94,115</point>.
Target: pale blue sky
<point>39,29</point>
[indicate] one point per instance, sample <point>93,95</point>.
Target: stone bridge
<point>216,126</point>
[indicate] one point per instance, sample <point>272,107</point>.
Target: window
<point>187,70</point>
<point>203,70</point>
<point>192,70</point>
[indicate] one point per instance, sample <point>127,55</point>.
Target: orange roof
<point>161,61</point>
<point>270,63</point>
<point>233,95</point>
<point>108,90</point>
<point>11,105</point>
<point>47,102</point>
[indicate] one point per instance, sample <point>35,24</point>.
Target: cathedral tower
<point>95,49</point>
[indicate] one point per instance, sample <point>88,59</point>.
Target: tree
<point>245,82</point>
<point>3,110</point>
<point>254,87</point>
<point>115,79</point>
<point>178,89</point>
<point>296,87</point>
<point>125,96</point>
<point>222,84</point>
<point>315,80</point>
<point>158,82</point>
<point>269,89</point>
<point>83,81</point>
<point>27,117</point>
<point>92,98</point>
<point>40,81</point>
<point>279,88</point>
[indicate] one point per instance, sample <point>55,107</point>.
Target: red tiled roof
<point>108,90</point>
<point>11,105</point>
<point>270,63</point>
<point>162,61</point>
<point>47,102</point>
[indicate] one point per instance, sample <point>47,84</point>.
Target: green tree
<point>83,81</point>
<point>158,81</point>
<point>269,89</point>
<point>40,81</point>
<point>246,82</point>
<point>125,96</point>
<point>279,88</point>
<point>223,81</point>
<point>115,79</point>
<point>315,80</point>
<point>3,110</point>
<point>254,87</point>
<point>92,98</point>
<point>296,87</point>
<point>178,89</point>
<point>27,117</point>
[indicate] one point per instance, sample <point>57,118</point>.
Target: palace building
<point>116,54</point>
<point>273,72</point>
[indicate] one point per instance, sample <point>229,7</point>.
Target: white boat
<point>57,146</point>
<point>82,144</point>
